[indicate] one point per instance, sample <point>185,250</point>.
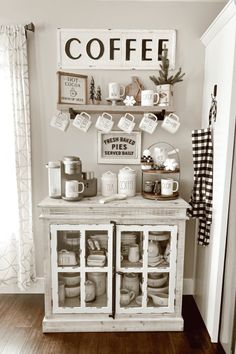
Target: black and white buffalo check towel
<point>201,198</point>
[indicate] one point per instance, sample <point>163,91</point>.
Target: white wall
<point>189,19</point>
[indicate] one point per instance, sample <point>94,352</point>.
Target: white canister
<point>127,181</point>
<point>109,184</point>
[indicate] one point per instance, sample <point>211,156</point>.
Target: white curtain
<point>17,265</point>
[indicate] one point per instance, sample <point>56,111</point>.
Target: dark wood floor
<point>20,332</point>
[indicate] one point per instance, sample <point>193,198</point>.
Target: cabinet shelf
<point>92,108</point>
<point>68,269</point>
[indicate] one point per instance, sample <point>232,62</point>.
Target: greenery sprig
<point>163,78</point>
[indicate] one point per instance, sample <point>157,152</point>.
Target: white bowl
<point>139,299</point>
<point>164,289</point>
<point>72,291</point>
<point>158,282</point>
<point>160,299</point>
<point>71,279</point>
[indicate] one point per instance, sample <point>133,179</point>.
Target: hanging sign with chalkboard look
<point>114,49</point>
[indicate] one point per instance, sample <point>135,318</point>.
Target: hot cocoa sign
<point>114,49</point>
<point>119,148</point>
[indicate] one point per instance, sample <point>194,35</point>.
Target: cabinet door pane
<point>69,289</point>
<point>158,289</point>
<point>159,249</point>
<point>96,290</point>
<point>129,293</point>
<point>68,248</point>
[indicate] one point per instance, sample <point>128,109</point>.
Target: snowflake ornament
<point>170,164</point>
<point>129,101</point>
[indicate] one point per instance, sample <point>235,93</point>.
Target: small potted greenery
<point>164,83</point>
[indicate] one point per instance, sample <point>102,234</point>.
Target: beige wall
<point>189,19</point>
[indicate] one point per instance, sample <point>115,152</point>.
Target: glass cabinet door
<point>81,263</point>
<point>146,268</point>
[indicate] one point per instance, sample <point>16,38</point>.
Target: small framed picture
<point>118,147</point>
<point>72,88</point>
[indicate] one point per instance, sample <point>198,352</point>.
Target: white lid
<point>108,175</point>
<point>54,164</point>
<point>126,170</point>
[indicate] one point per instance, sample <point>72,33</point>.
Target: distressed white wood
<point>102,59</point>
<point>156,216</point>
<point>220,69</point>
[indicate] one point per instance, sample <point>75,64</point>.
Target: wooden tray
<point>160,197</point>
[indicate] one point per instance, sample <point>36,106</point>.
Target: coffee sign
<point>114,49</point>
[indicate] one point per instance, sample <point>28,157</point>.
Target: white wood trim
<point>39,288</point>
<point>172,274</point>
<point>220,21</point>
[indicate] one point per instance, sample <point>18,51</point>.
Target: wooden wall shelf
<point>113,109</point>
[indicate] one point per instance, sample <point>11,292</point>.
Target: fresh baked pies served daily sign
<point>114,49</point>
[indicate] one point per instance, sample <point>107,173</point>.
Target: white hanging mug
<point>171,123</point>
<point>82,121</point>
<point>60,121</point>
<point>126,124</point>
<point>116,91</point>
<point>147,98</point>
<point>105,122</point>
<point>148,123</point>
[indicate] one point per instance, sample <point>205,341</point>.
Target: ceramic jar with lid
<point>109,184</point>
<point>99,280</point>
<point>131,282</point>
<point>127,181</point>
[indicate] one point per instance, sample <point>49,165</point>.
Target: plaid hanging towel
<point>201,198</point>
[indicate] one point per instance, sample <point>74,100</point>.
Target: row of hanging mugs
<point>105,122</point>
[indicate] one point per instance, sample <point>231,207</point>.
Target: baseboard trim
<point>38,288</point>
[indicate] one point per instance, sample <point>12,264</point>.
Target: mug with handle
<point>171,123</point>
<point>72,189</point>
<point>105,122</point>
<point>126,297</point>
<point>148,123</point>
<point>147,98</point>
<point>82,121</point>
<point>126,124</point>
<point>116,91</point>
<point>167,187</point>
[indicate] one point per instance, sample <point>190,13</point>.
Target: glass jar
<point>148,186</point>
<point>54,179</point>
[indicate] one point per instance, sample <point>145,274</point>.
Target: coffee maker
<point>71,170</point>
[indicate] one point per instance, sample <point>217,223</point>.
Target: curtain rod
<point>30,27</point>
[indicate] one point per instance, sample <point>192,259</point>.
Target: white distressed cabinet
<point>114,228</point>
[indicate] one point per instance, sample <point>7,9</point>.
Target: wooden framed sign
<point>114,49</point>
<point>72,88</point>
<point>118,147</point>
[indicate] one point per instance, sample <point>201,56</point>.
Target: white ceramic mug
<point>148,123</point>
<point>82,121</point>
<point>167,187</point>
<point>126,296</point>
<point>147,98</point>
<point>126,124</point>
<point>116,91</point>
<point>60,121</point>
<point>171,123</point>
<point>105,122</point>
<point>72,189</point>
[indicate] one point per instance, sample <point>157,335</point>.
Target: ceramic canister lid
<point>126,171</point>
<point>53,164</point>
<point>108,175</point>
